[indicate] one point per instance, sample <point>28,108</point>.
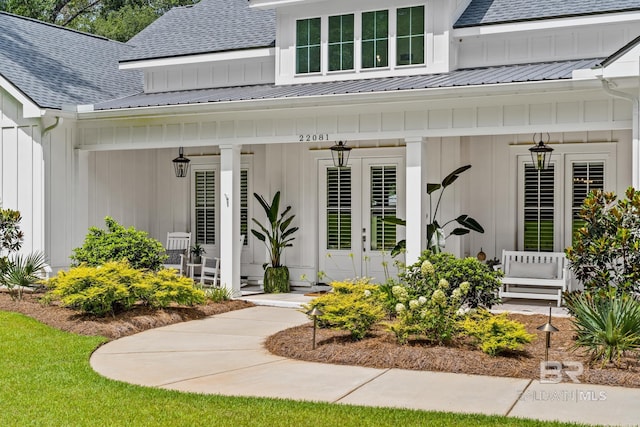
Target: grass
<point>46,380</point>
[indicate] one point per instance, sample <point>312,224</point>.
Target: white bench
<point>534,275</point>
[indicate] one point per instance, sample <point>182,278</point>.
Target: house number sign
<point>313,137</point>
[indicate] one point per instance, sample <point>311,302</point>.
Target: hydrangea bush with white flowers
<point>430,311</point>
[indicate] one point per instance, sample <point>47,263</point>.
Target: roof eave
<point>441,93</point>
<point>30,109</point>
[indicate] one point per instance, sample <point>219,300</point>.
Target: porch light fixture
<point>181,165</point>
<point>540,153</point>
<point>340,153</point>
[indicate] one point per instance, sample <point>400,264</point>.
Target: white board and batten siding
<point>22,171</point>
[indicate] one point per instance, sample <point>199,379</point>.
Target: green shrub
<point>167,286</point>
<point>483,281</point>
<point>118,243</point>
<point>430,310</point>
<point>606,250</point>
<point>495,334</point>
<point>217,294</point>
<point>116,286</point>
<point>352,306</point>
<point>21,272</point>
<point>606,324</point>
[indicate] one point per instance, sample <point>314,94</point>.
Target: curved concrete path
<point>224,354</point>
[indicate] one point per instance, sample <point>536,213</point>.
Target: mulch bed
<point>138,319</point>
<point>380,350</point>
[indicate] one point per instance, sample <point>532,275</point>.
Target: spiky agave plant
<point>607,325</point>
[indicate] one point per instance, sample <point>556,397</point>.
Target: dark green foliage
<point>276,236</point>
<point>21,272</point>
<point>483,281</point>
<point>118,243</point>
<point>10,234</point>
<point>436,235</point>
<point>607,248</point>
<point>116,19</point>
<point>116,286</point>
<point>606,324</point>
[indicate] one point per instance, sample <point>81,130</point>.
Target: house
<point>256,92</point>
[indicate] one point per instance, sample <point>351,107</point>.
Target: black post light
<point>548,329</point>
<point>540,152</point>
<point>340,153</point>
<point>181,164</point>
<point>315,312</point>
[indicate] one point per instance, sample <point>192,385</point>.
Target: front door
<point>354,241</point>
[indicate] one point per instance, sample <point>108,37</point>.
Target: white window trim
<point>357,40</point>
<point>212,163</point>
<point>562,158</point>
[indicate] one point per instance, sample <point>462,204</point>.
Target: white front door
<point>354,241</point>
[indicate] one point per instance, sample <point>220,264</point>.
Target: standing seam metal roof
<point>558,70</point>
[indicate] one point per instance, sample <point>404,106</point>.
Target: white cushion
<point>546,270</point>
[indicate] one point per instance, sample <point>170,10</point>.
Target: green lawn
<point>46,380</point>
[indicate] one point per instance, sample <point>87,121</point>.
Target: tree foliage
<point>606,250</point>
<point>116,19</point>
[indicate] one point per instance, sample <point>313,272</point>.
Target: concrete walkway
<point>223,354</point>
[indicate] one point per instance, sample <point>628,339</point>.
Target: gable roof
<point>54,66</point>
<point>545,71</point>
<point>208,26</point>
<point>488,12</point>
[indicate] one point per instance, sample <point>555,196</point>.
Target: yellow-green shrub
<point>495,334</point>
<point>116,286</point>
<point>352,306</point>
<point>166,286</point>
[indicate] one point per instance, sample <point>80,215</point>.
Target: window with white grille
<point>205,207</point>
<point>539,209</point>
<point>383,203</point>
<point>339,208</point>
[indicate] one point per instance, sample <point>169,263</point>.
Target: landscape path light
<point>548,329</point>
<point>315,312</point>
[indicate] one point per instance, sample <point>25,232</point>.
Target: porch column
<point>80,211</point>
<point>416,165</point>
<point>230,218</point>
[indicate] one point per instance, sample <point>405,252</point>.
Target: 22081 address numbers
<point>313,137</point>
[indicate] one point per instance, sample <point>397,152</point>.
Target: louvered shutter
<point>383,203</point>
<point>587,176</point>
<point>205,213</point>
<point>339,208</point>
<point>244,204</point>
<point>539,195</point>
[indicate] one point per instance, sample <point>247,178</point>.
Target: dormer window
<point>341,42</point>
<point>410,38</point>
<point>375,39</point>
<point>308,46</point>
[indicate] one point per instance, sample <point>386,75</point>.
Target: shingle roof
<point>486,12</point>
<point>464,77</point>
<point>54,66</point>
<point>207,26</point>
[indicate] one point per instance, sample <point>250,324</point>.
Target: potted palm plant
<point>276,236</point>
<point>196,253</point>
